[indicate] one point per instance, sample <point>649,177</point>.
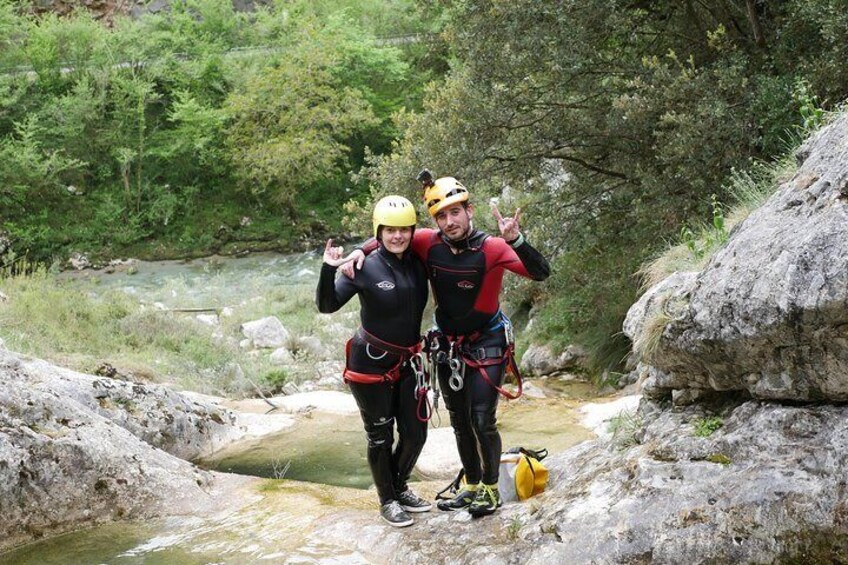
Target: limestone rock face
<point>77,450</point>
<point>541,360</point>
<point>769,313</point>
<point>767,487</point>
<point>154,414</point>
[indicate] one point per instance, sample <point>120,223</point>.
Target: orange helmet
<point>443,193</point>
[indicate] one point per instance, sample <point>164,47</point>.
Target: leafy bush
<point>139,125</point>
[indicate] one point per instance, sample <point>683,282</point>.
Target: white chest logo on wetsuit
<point>465,285</point>
<point>385,285</point>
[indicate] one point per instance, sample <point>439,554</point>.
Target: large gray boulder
<point>540,360</point>
<point>76,450</point>
<point>769,313</point>
<point>155,414</point>
<point>767,487</point>
<point>266,332</point>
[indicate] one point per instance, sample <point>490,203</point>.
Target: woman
<point>382,363</point>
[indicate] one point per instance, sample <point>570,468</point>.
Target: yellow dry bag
<point>522,474</point>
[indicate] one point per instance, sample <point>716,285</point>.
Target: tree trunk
<point>754,19</point>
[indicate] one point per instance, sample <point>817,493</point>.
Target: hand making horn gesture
<point>510,230</point>
<point>333,255</point>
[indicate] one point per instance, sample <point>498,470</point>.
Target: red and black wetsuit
<point>466,278</point>
<point>467,285</point>
<point>392,295</point>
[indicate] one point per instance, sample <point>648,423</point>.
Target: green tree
<point>613,122</point>
<point>293,124</point>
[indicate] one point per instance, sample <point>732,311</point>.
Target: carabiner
<point>416,362</point>
<point>368,352</point>
<point>508,331</point>
<point>456,379</point>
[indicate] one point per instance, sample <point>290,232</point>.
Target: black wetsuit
<point>392,294</point>
<point>466,288</point>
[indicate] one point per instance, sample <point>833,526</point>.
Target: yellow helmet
<point>395,211</point>
<point>443,193</point>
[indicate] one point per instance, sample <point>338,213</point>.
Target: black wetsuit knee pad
<point>380,435</point>
<point>484,422</point>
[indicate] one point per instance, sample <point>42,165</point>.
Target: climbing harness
<point>413,356</point>
<point>393,374</point>
<point>458,352</point>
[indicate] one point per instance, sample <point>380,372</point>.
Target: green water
<point>324,448</point>
<point>119,544</point>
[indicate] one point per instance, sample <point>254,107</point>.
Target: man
<point>465,267</point>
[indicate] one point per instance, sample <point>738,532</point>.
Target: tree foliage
<point>292,123</point>
<point>613,122</point>
<point>174,126</point>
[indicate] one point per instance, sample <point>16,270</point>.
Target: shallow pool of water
<point>275,529</point>
<point>323,448</point>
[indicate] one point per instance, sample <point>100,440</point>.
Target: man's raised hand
<point>510,230</point>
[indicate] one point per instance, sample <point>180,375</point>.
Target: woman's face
<point>396,240</point>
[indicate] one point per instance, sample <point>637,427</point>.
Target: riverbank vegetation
<point>96,330</point>
<point>614,125</point>
<point>180,132</point>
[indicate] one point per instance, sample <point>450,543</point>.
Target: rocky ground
<point>77,450</point>
<point>727,481</point>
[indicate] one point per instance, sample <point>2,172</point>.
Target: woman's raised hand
<point>333,255</point>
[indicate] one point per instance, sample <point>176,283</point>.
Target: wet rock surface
<point>77,450</point>
<point>769,313</point>
<point>767,486</point>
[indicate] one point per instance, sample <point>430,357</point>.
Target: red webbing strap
<point>511,367</point>
<point>392,348</point>
<point>423,401</point>
<point>363,378</point>
<point>349,375</point>
<point>392,374</point>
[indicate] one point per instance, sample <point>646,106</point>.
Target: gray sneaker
<point>395,515</point>
<point>411,502</point>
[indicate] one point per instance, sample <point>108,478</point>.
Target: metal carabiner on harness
<point>368,352</point>
<point>416,363</point>
<point>457,378</point>
<point>508,331</point>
